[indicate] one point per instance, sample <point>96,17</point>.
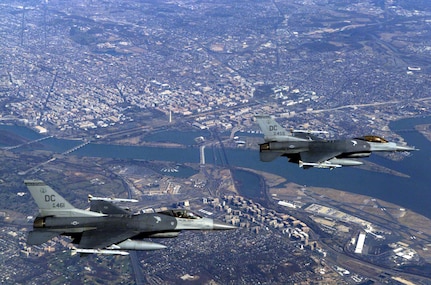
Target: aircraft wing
<point>317,156</point>
<point>99,239</point>
<point>306,136</point>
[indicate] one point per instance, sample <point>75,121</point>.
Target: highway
<point>134,261</point>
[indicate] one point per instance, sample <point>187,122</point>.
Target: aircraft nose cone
<point>405,148</point>
<point>158,246</point>
<point>222,226</point>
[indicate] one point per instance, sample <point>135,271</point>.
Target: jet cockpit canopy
<point>181,213</point>
<point>374,139</point>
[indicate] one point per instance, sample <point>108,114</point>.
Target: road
<point>134,261</point>
<point>354,106</point>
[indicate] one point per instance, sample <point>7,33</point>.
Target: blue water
<point>186,138</point>
<point>413,193</point>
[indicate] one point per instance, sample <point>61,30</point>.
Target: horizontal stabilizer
<point>39,237</point>
<point>269,156</point>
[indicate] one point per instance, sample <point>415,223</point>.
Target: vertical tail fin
<point>271,129</point>
<point>45,197</point>
<point>51,203</point>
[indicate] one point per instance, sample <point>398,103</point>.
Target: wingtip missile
<point>98,251</point>
<point>108,199</point>
<point>325,164</point>
<point>309,132</point>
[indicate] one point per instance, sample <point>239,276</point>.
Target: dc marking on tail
<point>49,198</point>
<point>50,203</point>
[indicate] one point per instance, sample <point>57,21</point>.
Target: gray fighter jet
<point>107,228</point>
<point>308,150</point>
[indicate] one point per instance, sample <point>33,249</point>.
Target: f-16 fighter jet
<point>308,150</point>
<point>107,228</point>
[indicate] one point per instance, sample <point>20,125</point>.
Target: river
<point>412,193</point>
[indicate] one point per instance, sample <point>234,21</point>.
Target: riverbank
<point>410,190</point>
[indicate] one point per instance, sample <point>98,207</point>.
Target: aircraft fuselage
<point>308,150</point>
<point>141,223</point>
<point>348,148</point>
